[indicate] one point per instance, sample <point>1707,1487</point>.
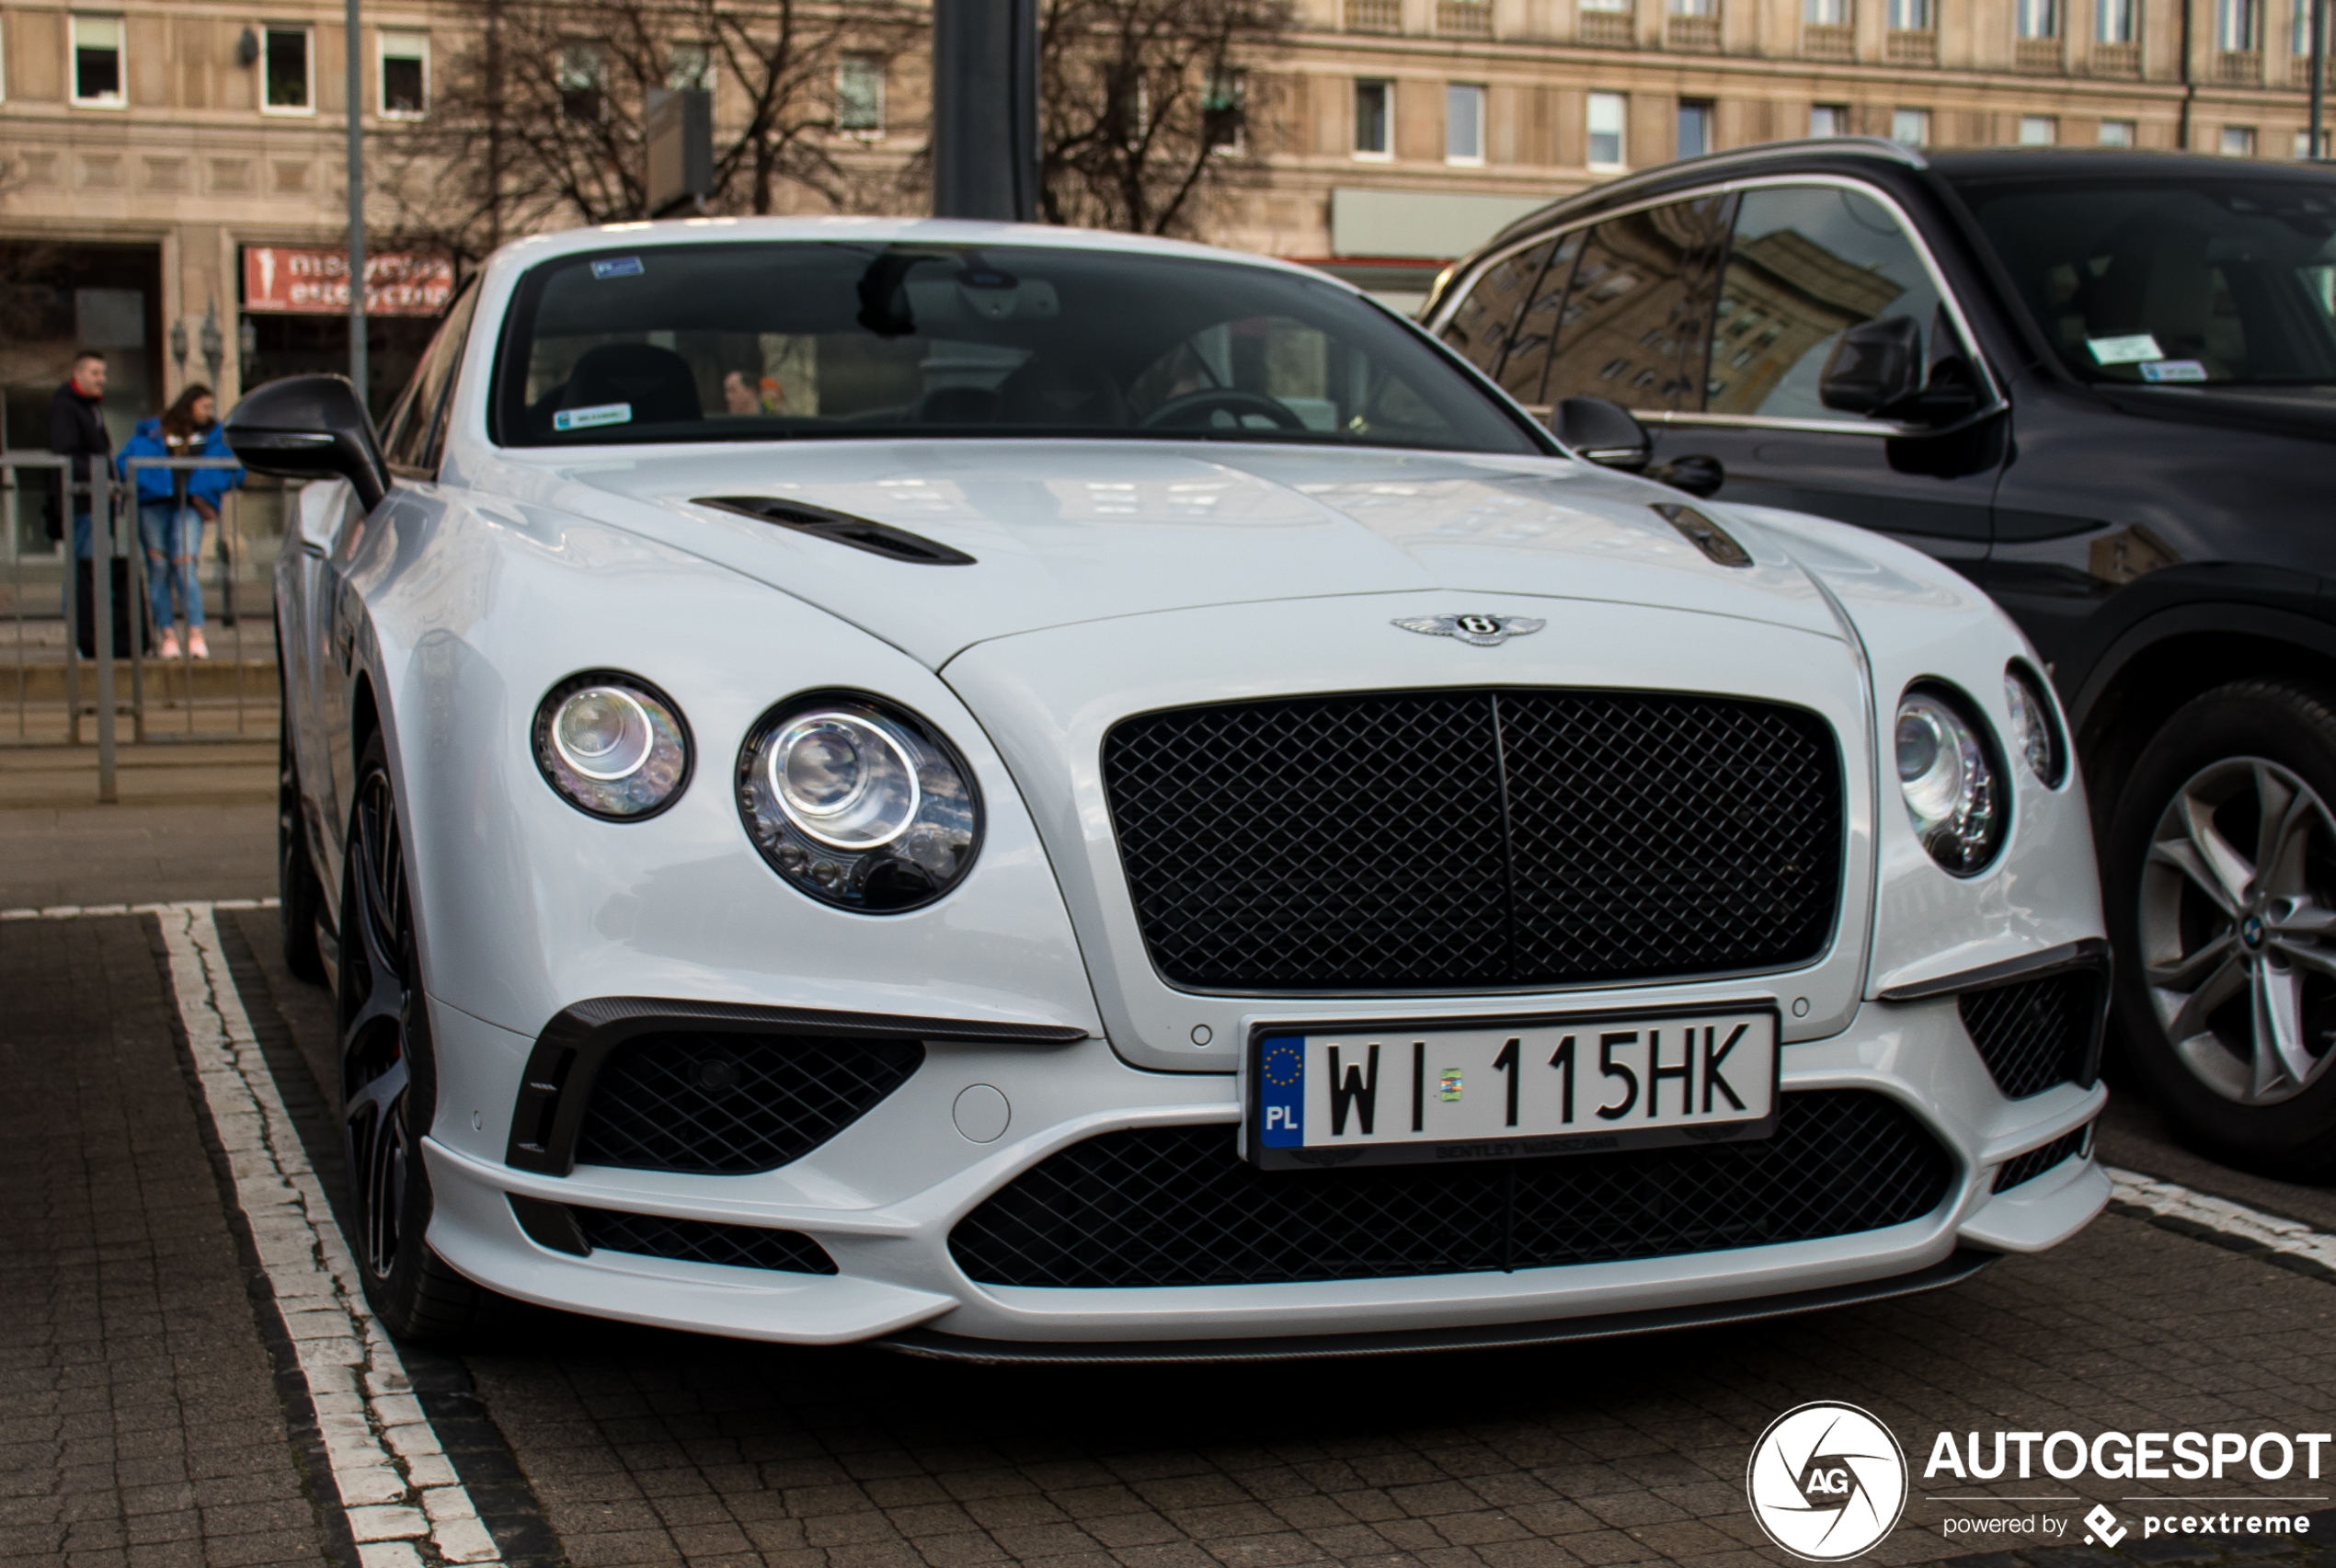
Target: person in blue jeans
<point>173,506</point>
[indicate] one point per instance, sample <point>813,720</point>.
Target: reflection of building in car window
<point>1639,300</point>
<point>1785,294</point>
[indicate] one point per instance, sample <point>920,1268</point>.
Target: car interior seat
<point>657,381</point>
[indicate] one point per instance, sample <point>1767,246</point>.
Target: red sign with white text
<point>305,280</point>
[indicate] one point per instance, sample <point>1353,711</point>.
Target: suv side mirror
<point>310,427</point>
<point>1874,365</point>
<point>1601,433</point>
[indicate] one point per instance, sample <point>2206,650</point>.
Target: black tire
<point>389,1081</point>
<point>299,895</point>
<point>2233,944</point>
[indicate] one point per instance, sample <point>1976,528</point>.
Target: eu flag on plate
<point>1281,1091</point>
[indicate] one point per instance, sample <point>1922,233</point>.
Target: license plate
<point>1402,1094</point>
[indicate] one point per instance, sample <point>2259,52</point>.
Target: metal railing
<point>54,695</point>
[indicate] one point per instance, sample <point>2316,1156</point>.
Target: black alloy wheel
<point>299,895</point>
<point>2222,901</point>
<point>389,1079</point>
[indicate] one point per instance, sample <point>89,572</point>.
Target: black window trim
<point>1994,401</point>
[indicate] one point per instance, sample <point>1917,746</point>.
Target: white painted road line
<point>395,1482</point>
<point>2252,1227</point>
<point>92,911</point>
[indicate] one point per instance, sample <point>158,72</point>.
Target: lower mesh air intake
<point>700,1241</point>
<point>1177,1205</point>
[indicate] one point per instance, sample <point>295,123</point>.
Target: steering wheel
<point>1192,410</point>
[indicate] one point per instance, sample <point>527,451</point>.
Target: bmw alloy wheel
<point>2238,926</point>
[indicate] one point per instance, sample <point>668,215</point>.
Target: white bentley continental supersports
<point>1028,794</point>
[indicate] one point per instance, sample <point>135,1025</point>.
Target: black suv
<point>2102,385</point>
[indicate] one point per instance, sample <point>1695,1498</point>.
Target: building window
<point>1694,7</point>
<point>405,85</point>
<point>97,61</point>
<point>859,95</point>
<point>2300,31</point>
<point>1826,12</point>
<point>283,64</point>
<point>2115,134</point>
<point>1910,16</point>
<point>1911,126</point>
<point>2235,26</point>
<point>2113,20</point>
<point>1463,123</point>
<point>688,67</point>
<point>1373,104</point>
<point>1617,5</point>
<point>2038,18</point>
<point>1695,128</point>
<point>579,76</point>
<point>1609,119</point>
<point>2303,143</point>
<point>1828,120</point>
<point>2038,130</point>
<point>2238,141</point>
<point>1224,111</point>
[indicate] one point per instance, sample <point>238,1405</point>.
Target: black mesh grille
<point>1438,840</point>
<point>2036,1161</point>
<point>700,1241</point>
<point>2033,1035</point>
<point>728,1103</point>
<point>1176,1205</point>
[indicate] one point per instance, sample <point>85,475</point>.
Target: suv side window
<point>416,426</point>
<point>1480,330</point>
<point>1806,263</point>
<point>1526,366</point>
<point>1636,323</point>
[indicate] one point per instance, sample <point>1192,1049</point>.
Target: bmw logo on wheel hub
<point>1827,1481</point>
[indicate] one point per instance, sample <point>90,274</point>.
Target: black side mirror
<point>1874,365</point>
<point>1698,474</point>
<point>310,427</point>
<point>1601,433</point>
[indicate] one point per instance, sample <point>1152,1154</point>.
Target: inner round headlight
<point>1950,781</point>
<point>2035,726</point>
<point>611,745</point>
<point>858,803</point>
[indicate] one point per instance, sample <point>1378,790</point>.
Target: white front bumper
<point>883,1195</point>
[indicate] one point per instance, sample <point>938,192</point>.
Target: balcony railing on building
<point>1464,18</point>
<point>2239,68</point>
<point>1907,46</point>
<point>2299,72</point>
<point>2037,54</point>
<point>1691,35</point>
<point>1609,29</point>
<point>1374,16</point>
<point>1828,41</point>
<point>2116,60</point>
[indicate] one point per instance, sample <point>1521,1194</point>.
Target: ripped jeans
<point>173,539</point>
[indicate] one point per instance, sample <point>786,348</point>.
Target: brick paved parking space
<point>145,1415</point>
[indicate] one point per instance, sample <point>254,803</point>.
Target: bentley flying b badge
<point>1476,631</point>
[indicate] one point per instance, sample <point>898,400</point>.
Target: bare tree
<point>539,116</point>
<point>1148,112</point>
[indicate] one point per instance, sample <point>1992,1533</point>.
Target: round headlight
<point>2035,726</point>
<point>611,745</point>
<point>860,804</point>
<point>1950,781</point>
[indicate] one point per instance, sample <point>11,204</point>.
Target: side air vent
<point>842,528</point>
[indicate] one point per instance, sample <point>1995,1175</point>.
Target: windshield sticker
<point>2129,350</point>
<point>590,419</point>
<point>630,267</point>
<point>2174,370</point>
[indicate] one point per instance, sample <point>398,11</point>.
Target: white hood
<point>1067,532</point>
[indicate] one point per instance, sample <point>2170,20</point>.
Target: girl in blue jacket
<point>173,506</point>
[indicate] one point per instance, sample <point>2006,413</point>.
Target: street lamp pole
<point>356,205</point>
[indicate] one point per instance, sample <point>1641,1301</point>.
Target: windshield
<point>2215,280</point>
<point>823,340</point>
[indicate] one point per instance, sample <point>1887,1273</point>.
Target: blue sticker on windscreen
<point>622,266</point>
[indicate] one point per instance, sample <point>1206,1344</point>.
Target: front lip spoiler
<point>931,1343</point>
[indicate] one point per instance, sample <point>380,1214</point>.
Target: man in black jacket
<point>77,430</point>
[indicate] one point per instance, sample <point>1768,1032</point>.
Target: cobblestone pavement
<point>131,1325</point>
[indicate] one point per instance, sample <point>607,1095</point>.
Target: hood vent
<point>860,532</point>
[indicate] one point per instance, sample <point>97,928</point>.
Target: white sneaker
<point>195,648</point>
<point>169,649</point>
